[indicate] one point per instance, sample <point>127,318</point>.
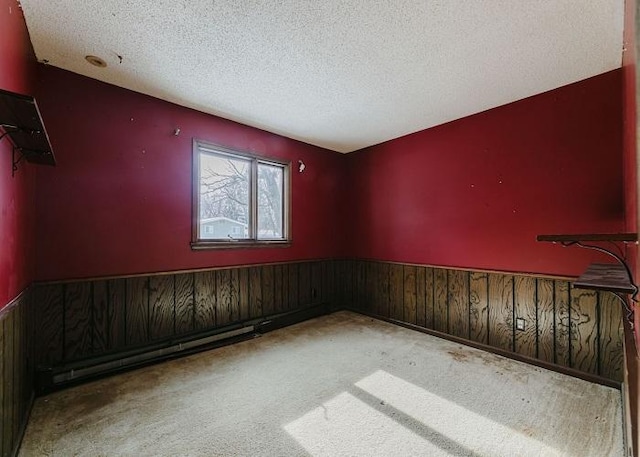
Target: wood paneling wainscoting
<point>574,328</point>
<point>83,321</point>
<point>16,372</point>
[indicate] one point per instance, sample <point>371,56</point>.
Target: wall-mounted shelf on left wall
<point>21,122</point>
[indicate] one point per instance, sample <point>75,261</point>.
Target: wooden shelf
<point>620,237</point>
<point>616,277</point>
<point>21,120</point>
<point>605,276</point>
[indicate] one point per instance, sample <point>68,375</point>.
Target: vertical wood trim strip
<point>525,341</point>
<point>584,332</point>
<point>501,311</point>
<point>563,323</point>
<point>478,307</point>
<point>421,296</point>
<point>611,336</point>
<point>440,312</point>
<point>546,319</point>
<point>409,294</point>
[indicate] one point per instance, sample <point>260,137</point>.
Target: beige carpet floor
<point>339,385</point>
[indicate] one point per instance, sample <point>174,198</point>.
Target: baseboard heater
<point>51,379</point>
<point>137,359</point>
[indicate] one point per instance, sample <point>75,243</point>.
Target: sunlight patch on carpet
<point>472,430</point>
<point>346,426</point>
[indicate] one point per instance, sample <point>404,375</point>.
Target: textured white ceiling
<point>338,74</point>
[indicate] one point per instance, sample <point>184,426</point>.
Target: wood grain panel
<point>339,274</point>
<point>361,285</point>
<point>373,277</point>
<point>526,342</point>
<point>325,281</point>
<point>396,291</point>
<point>117,313</point>
<point>6,391</point>
<point>333,284</point>
<point>611,336</point>
<point>243,291</point>
<point>8,375</point>
<point>205,300</point>
<point>584,330</point>
<point>563,324</point>
<point>429,299</point>
<point>458,301</point>
<point>234,295</point>
<point>3,371</point>
<point>370,289</point>
<point>255,292</point>
<point>546,319</point>
<point>409,294</point>
<point>440,305</point>
<point>24,386</point>
<point>184,304</point>
<point>350,278</point>
<point>137,296</point>
<point>501,311</point>
<point>383,305</point>
<point>354,293</point>
<point>479,307</point>
<point>223,297</point>
<point>49,324</point>
<point>354,284</point>
<point>77,320</point>
<point>100,317</point>
<point>17,372</point>
<point>421,296</point>
<point>161,307</point>
<point>16,346</point>
<point>294,300</point>
<point>304,284</point>
<point>329,284</point>
<point>278,290</point>
<point>316,282</point>
<point>268,293</point>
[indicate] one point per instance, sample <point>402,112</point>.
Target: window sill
<point>235,244</point>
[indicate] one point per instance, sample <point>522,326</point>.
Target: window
<point>239,199</point>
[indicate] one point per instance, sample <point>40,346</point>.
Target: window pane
<point>224,197</point>
<point>270,201</point>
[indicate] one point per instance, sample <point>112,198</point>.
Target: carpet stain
<point>458,356</point>
<point>95,401</point>
<point>503,366</point>
<point>528,431</point>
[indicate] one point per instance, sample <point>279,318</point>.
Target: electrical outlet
<point>519,323</point>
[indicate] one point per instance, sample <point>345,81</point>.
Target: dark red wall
<point>17,253</point>
<point>119,200</point>
<point>476,192</point>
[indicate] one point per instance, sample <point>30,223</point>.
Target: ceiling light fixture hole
<point>96,61</point>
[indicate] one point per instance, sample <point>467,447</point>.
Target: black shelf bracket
<point>15,161</point>
<point>621,260</point>
<point>21,121</point>
<point>627,292</point>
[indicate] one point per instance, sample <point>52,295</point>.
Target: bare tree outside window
<point>239,198</point>
<point>270,204</point>
<point>224,196</point>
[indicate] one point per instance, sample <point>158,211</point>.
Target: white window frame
<point>197,242</point>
